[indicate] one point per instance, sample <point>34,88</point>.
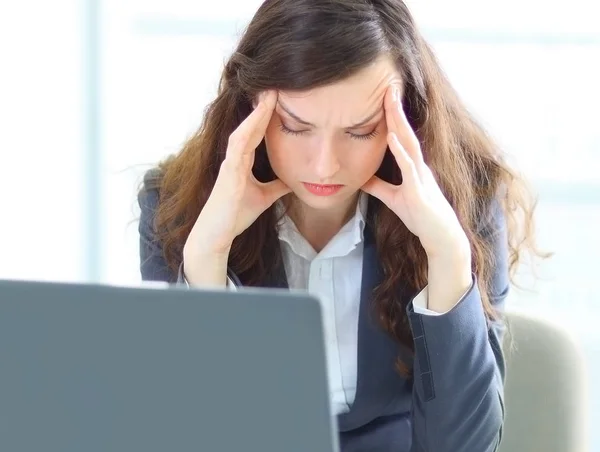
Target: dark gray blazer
<point>453,403</point>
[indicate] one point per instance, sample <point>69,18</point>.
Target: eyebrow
<point>306,123</point>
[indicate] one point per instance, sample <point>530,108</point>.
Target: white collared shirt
<point>334,276</point>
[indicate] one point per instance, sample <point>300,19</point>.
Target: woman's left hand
<point>418,201</point>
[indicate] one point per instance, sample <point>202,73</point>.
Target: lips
<point>321,189</point>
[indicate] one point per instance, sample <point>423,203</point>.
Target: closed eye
<point>366,136</point>
<point>355,136</point>
<point>289,131</point>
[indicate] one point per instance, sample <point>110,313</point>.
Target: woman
<point>337,159</point>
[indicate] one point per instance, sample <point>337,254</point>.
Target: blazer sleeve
<point>458,389</point>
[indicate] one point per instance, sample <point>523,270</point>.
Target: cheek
<point>284,159</point>
<point>367,161</point>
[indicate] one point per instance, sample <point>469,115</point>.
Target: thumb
<point>274,190</point>
<point>384,191</point>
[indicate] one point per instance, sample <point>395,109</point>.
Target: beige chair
<point>545,390</point>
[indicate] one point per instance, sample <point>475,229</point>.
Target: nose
<point>327,163</point>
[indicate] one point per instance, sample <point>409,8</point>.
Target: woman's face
<point>326,143</point>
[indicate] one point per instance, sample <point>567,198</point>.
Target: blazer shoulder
<point>153,265</point>
<point>148,193</point>
<point>152,180</point>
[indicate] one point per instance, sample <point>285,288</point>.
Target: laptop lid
<point>102,368</point>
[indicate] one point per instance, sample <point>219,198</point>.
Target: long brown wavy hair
<point>295,45</point>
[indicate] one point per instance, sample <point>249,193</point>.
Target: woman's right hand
<point>237,198</point>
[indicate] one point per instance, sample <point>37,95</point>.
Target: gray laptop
<point>101,368</point>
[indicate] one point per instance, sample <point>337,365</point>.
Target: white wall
<point>42,186</point>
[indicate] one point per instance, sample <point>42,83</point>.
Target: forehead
<point>347,101</point>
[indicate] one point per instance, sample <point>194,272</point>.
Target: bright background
<point>92,93</point>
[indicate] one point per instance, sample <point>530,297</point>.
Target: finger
<point>407,166</point>
<point>384,191</point>
<point>252,130</point>
<point>388,105</point>
<point>274,190</point>
<point>398,123</point>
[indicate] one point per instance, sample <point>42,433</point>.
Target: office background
<point>93,93</point>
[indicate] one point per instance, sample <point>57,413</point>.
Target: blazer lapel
<point>377,378</point>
